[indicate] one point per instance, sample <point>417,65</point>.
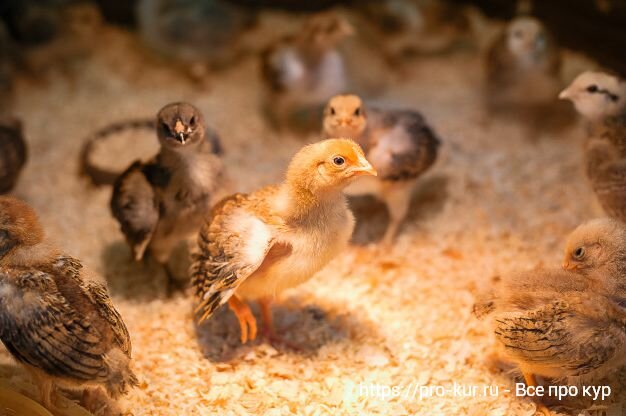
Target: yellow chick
<point>252,247</point>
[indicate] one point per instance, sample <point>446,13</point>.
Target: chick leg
<point>269,331</point>
<point>529,378</point>
<point>245,317</point>
<point>161,249</point>
<point>397,197</point>
<point>47,393</point>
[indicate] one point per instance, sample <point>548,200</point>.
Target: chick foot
<point>530,380</point>
<point>245,317</point>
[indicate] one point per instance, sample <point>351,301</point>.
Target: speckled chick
<point>522,66</point>
<point>254,246</point>
<point>398,143</point>
<point>13,153</point>
<point>305,69</point>
<point>56,318</point>
<point>598,248</point>
<point>162,202</point>
<point>555,324</point>
<point>601,99</point>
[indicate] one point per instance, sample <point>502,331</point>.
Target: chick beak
<point>569,266</point>
<point>345,122</point>
<point>364,168</point>
<point>565,94</point>
<point>179,132</point>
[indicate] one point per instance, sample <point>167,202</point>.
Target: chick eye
<point>592,88</point>
<point>332,111</point>
<point>165,127</point>
<point>192,121</point>
<point>579,253</point>
<point>338,160</point>
<point>357,112</point>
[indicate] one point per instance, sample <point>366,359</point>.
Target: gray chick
<point>162,202</point>
<point>303,70</point>
<point>13,153</point>
<point>522,67</point>
<point>399,143</point>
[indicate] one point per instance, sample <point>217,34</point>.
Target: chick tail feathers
<point>120,377</point>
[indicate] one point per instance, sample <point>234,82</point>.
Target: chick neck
<point>304,199</point>
<point>173,156</point>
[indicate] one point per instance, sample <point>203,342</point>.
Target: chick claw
<point>245,317</point>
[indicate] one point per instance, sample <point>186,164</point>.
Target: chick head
<point>526,38</point>
<point>596,94</point>
<point>19,225</point>
<point>594,244</point>
<point>329,165</point>
<point>327,29</point>
<point>180,125</point>
<point>344,116</point>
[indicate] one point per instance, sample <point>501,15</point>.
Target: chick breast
<point>54,321</point>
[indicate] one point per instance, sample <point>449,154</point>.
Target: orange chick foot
<point>247,321</point>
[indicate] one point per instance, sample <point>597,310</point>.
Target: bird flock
<point>566,323</point>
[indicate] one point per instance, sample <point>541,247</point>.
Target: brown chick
<point>12,154</point>
<point>56,320</point>
<point>252,247</point>
<point>522,67</point>
<point>163,202</point>
<point>601,99</point>
<point>554,323</point>
<point>598,248</point>
<point>303,70</point>
<point>398,143</point>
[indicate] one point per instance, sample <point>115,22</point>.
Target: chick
<point>197,34</point>
<point>162,202</point>
<point>399,143</point>
<point>12,153</point>
<point>254,246</point>
<point>601,99</point>
<point>56,320</point>
<point>598,248</point>
<point>304,70</point>
<point>522,67</point>
<point>556,324</point>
